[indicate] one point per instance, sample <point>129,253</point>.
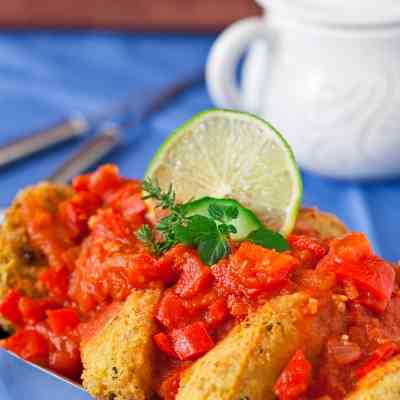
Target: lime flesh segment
<point>245,223</point>
<point>230,154</point>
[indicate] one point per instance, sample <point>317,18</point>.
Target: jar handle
<point>224,59</point>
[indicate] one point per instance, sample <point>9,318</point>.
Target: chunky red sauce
<point>96,260</point>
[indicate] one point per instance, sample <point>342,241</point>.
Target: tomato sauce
<point>95,260</point>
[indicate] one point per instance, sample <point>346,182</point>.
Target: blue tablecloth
<point>44,76</point>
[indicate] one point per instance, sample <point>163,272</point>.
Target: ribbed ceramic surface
<point>45,75</point>
<point>340,12</point>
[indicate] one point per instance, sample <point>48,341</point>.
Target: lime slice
<point>230,154</point>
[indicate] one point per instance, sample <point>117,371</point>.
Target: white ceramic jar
<point>326,74</point>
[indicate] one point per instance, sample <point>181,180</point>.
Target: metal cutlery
<point>123,112</point>
<point>111,135</point>
<point>67,129</point>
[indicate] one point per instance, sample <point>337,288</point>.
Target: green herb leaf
<point>231,212</point>
<point>197,229</point>
<point>166,222</point>
<point>269,239</point>
<point>167,200</point>
<point>145,234</point>
<point>216,212</point>
<point>232,229</point>
<point>204,234</point>
<point>224,229</point>
<point>212,249</point>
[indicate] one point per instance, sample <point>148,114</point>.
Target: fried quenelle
<point>248,361</point>
<point>21,260</point>
<point>119,358</point>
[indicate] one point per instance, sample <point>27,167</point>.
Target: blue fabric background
<point>45,76</point>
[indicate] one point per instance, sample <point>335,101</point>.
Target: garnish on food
<point>232,155</point>
<point>207,224</point>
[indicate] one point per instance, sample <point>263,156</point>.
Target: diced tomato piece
<point>239,306</point>
<point>30,345</point>
<point>383,353</point>
<point>56,280</point>
<point>372,302</point>
<point>226,277</point>
<point>127,200</point>
<point>170,385</point>
<point>114,284</point>
<point>164,344</point>
<point>105,179</point>
<point>75,213</point>
<point>294,379</point>
<point>373,275</point>
<point>81,183</point>
<point>165,272</point>
<point>217,314</point>
<point>191,341</point>
<point>200,303</point>
<point>66,363</point>
<point>253,270</point>
<point>117,197</point>
<point>344,351</point>
<point>134,209</point>
<point>145,269</point>
<point>135,271</point>
<point>86,301</point>
<point>34,310</point>
<point>176,257</point>
<point>60,321</point>
<point>9,307</point>
<point>171,311</point>
<point>352,260</point>
<point>195,276</point>
<point>109,225</point>
<point>352,248</point>
<point>133,204</point>
<point>302,242</point>
<point>70,256</point>
<point>170,264</point>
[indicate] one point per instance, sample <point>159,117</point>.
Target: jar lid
<point>339,12</point>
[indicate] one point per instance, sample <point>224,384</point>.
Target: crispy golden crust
<point>118,362</point>
<point>20,262</point>
<point>382,383</point>
<point>325,225</point>
<point>246,364</point>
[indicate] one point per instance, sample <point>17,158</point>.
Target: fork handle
<point>91,152</point>
<point>43,139</point>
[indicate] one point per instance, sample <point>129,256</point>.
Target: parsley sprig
<point>209,234</point>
